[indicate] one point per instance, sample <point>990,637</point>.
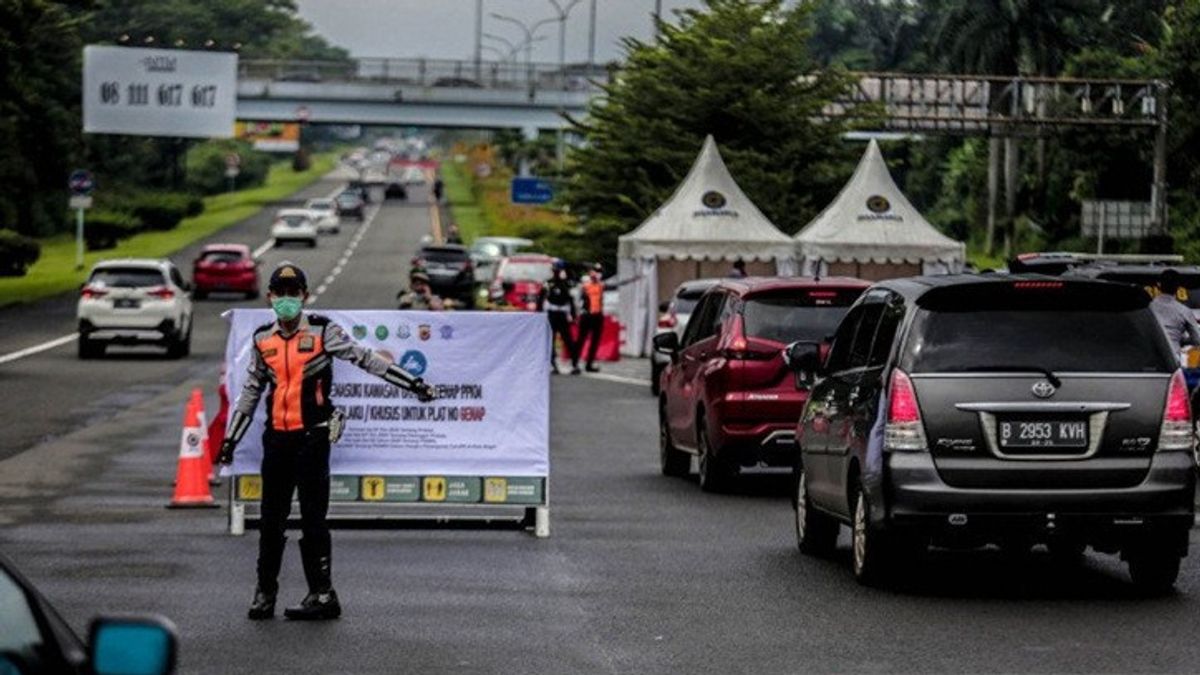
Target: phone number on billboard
<point>165,95</point>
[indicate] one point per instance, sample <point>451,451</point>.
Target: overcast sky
<point>446,28</point>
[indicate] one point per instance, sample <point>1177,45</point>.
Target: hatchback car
<point>487,252</point>
<point>36,639</point>
<point>295,225</point>
<point>519,280</point>
<point>324,212</point>
<point>727,396</point>
<point>674,318</point>
<point>135,302</point>
<point>1009,410</point>
<point>351,205</point>
<point>451,272</point>
<point>225,268</point>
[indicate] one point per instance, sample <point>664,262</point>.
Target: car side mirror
<point>134,645</point>
<point>667,344</point>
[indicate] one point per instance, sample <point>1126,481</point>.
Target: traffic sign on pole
<point>81,182</point>
<point>532,191</point>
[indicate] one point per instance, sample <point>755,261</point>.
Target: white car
<point>294,225</point>
<point>135,302</point>
<point>324,211</point>
<point>413,175</point>
<point>674,318</point>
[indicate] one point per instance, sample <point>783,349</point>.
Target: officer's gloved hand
<point>423,390</point>
<point>226,455</point>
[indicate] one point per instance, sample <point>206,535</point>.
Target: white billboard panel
<point>159,92</point>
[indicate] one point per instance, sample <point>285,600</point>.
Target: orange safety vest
<point>593,295</point>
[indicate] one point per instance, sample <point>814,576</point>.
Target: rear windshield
<point>294,221</point>
<point>527,271</point>
<point>1055,339</point>
<point>798,315</point>
<point>221,256</point>
<point>444,255</point>
<point>135,277</point>
<point>347,197</point>
<point>323,205</point>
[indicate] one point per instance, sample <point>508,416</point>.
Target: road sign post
<point>81,183</point>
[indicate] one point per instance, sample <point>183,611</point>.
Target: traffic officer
<point>292,360</point>
<point>420,294</point>
<point>560,310</point>
<point>591,321</point>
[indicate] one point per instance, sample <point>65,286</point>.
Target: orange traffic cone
<point>191,478</point>
<point>216,428</point>
<point>198,402</point>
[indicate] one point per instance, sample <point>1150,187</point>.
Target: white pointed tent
<point>706,225</point>
<point>871,231</point>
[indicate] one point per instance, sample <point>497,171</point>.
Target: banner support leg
<point>541,527</point>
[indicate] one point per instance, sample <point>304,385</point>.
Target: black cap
<point>287,276</point>
<point>418,274</point>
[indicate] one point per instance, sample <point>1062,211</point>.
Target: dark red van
<point>727,396</point>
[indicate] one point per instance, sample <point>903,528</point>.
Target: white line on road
<point>345,259</point>
<point>37,349</point>
<point>270,243</point>
<point>618,378</point>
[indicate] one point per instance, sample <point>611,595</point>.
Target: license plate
<point>1043,434</point>
<point>126,303</point>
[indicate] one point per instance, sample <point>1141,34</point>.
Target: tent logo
<point>713,199</point>
<point>878,204</point>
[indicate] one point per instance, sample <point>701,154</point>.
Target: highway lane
<point>50,393</point>
<point>642,573</point>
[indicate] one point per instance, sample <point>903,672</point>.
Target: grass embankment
<point>464,207</point>
<point>55,272</point>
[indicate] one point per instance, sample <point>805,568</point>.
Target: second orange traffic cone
<point>191,477</point>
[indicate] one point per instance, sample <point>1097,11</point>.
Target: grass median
<point>464,207</point>
<point>55,272</point>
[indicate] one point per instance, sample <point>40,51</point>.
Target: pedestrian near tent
<point>1176,319</point>
<point>292,362</point>
<point>739,269</point>
<point>560,311</point>
<point>591,321</point>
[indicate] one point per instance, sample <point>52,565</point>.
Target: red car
<point>519,280</point>
<point>225,268</point>
<point>728,396</point>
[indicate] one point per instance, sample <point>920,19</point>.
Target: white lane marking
<point>618,378</point>
<point>345,259</point>
<point>37,349</point>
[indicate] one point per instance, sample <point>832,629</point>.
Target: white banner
<point>492,372</point>
<point>159,92</point>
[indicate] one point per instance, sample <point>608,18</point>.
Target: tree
<point>737,69</point>
<point>1010,37</point>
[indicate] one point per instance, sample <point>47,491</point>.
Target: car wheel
<point>816,532</point>
<point>312,243</point>
<point>252,295</point>
<point>89,348</point>
<point>199,294</point>
<point>868,546</point>
<point>1153,569</point>
<point>674,462</point>
<point>714,474</point>
<point>1066,553</point>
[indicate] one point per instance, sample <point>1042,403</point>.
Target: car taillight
<point>162,293</point>
<point>90,292</point>
<point>903,431</point>
<point>1176,432</point>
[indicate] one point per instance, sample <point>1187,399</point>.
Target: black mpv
<point>1006,409</point>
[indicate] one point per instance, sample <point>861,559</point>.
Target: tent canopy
<point>871,221</point>
<point>707,218</point>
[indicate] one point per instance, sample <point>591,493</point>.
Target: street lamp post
<point>563,12</point>
<point>527,30</point>
<point>478,40</point>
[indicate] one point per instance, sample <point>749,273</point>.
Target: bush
<point>195,206</point>
<point>206,166</point>
<point>161,210</point>
<point>103,229</point>
<point>17,253</point>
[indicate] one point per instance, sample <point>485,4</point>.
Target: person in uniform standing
<point>591,321</point>
<point>292,362</point>
<point>560,310</point>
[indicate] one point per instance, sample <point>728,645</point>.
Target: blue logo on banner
<point>414,363</point>
<point>531,191</point>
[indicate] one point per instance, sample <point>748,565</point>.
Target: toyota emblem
<point>1043,389</point>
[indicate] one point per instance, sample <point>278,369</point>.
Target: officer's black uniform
<point>293,362</point>
<point>560,310</point>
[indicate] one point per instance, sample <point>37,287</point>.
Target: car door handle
<point>853,397</point>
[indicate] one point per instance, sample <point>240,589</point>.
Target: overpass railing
<point>431,73</point>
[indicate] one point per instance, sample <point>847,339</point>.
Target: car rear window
<point>323,205</point>
<point>295,221</point>
<point>797,315</point>
<point>444,255</point>
<point>527,271</point>
<point>1094,330</point>
<point>135,277</point>
<point>221,256</point>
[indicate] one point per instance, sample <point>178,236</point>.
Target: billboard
<point>270,136</point>
<point>159,92</point>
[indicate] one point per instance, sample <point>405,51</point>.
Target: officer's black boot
<point>270,558</point>
<point>321,603</point>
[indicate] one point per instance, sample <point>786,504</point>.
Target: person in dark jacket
<point>560,310</point>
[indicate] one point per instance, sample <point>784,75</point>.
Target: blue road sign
<point>81,182</point>
<point>532,191</point>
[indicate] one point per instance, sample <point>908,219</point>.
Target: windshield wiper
<point>1050,376</point>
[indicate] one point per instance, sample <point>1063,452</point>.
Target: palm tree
<point>1009,37</point>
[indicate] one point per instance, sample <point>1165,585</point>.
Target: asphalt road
<point>641,574</point>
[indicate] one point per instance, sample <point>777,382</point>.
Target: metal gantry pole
<point>478,40</point>
<point>592,37</point>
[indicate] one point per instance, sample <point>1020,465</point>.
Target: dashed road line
<point>37,349</point>
<point>617,378</point>
<point>270,242</point>
<point>345,259</point>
